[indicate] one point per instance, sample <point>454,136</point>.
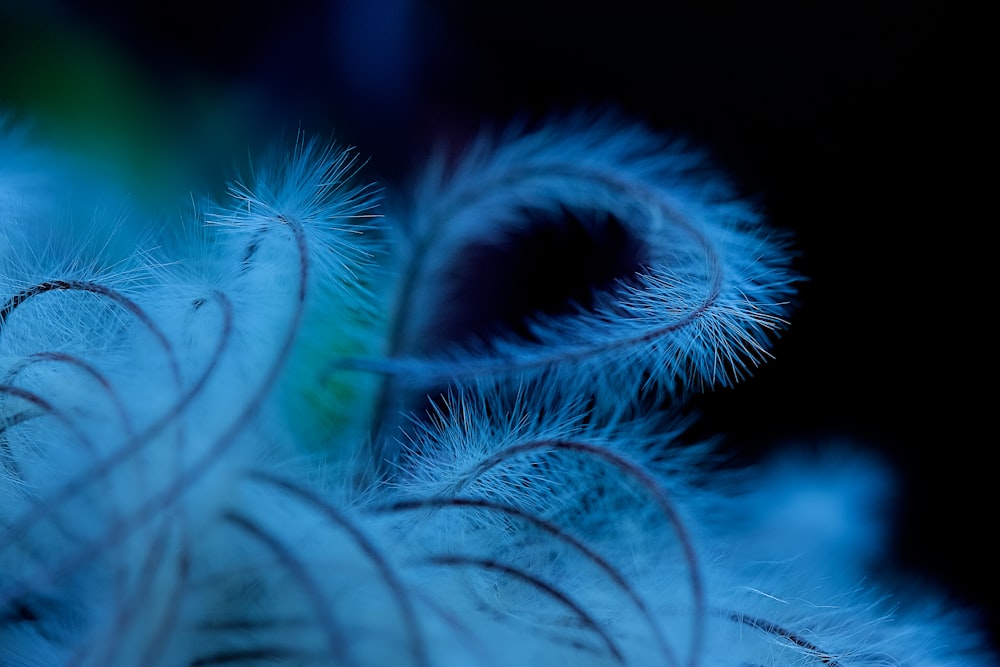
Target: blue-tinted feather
<point>293,435</point>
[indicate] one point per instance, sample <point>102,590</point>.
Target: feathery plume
<point>300,433</point>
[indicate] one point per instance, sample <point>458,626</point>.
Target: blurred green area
<point>80,91</point>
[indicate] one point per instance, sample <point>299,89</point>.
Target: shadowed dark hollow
<point>551,265</point>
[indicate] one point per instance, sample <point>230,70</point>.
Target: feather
<point>299,433</point>
<point>698,289</point>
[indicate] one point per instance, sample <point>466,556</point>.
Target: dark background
<point>850,122</point>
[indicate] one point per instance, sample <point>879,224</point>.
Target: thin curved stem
<point>90,370</point>
<point>555,531</point>
<point>396,367</point>
<point>45,406</point>
<point>128,304</point>
<point>125,611</point>
<point>71,360</point>
<point>105,466</point>
<point>102,290</point>
<point>336,640</point>
<point>543,586</point>
<point>655,490</point>
<point>189,476</point>
<point>779,631</point>
<point>389,576</point>
<point>172,614</point>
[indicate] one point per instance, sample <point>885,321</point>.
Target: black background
<point>850,122</point>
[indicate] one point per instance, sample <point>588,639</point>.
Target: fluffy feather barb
<point>307,438</point>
